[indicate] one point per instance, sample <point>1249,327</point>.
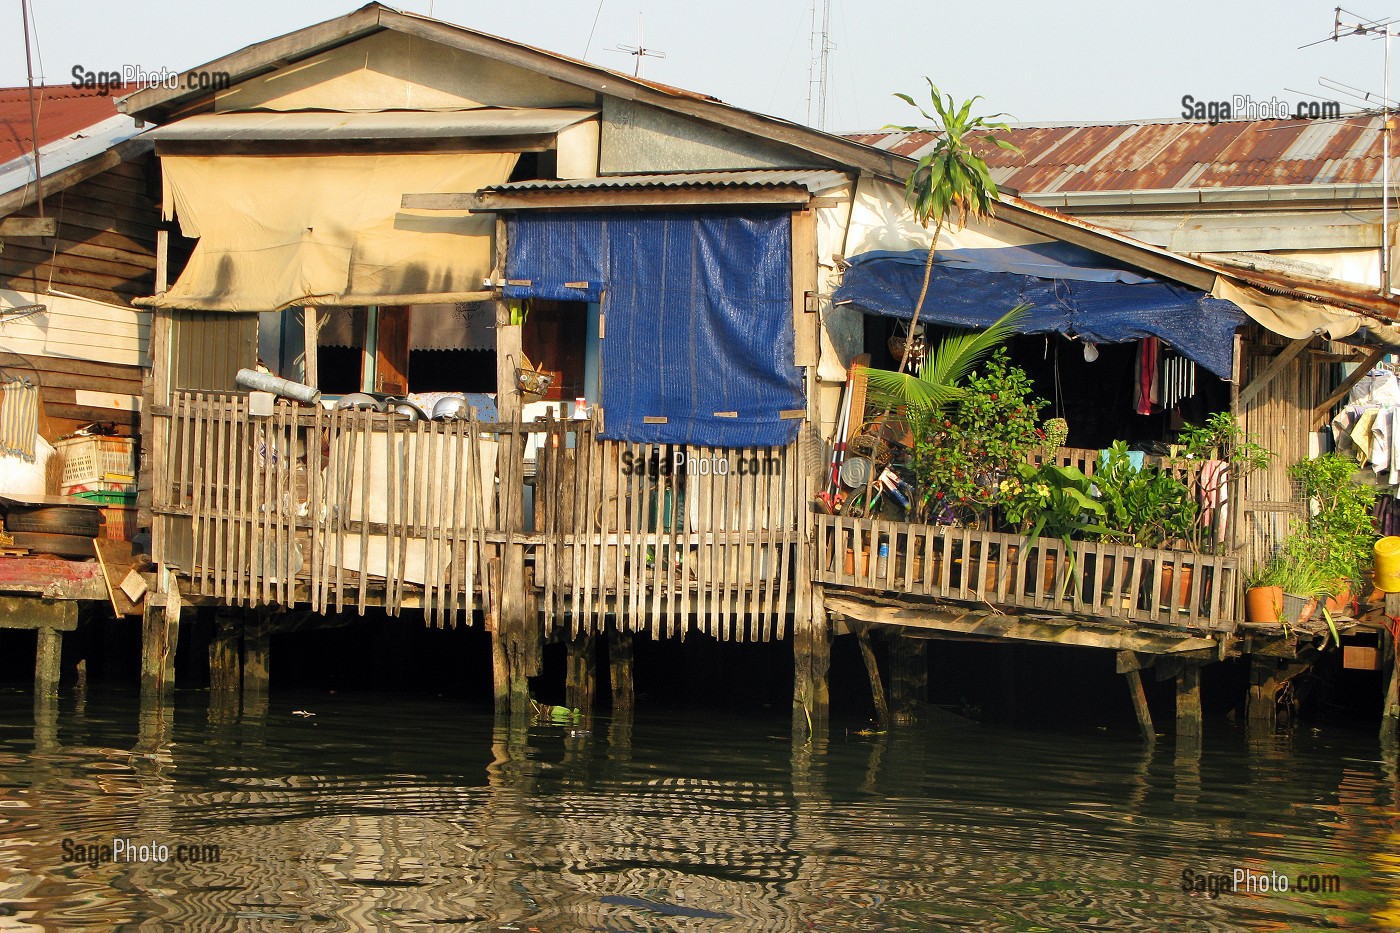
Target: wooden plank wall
<point>105,244</point>
<point>105,251</point>
<point>1279,418</point>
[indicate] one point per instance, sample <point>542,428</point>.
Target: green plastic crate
<point>107,497</point>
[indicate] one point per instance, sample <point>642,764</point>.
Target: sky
<point>1035,61</point>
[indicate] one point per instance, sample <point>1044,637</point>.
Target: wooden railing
<point>1111,581</point>
<point>663,533</point>
<point>342,508</point>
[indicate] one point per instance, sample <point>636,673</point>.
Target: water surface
<point>394,813</point>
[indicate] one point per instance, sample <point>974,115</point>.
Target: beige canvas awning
<point>278,231</point>
<point>1296,319</point>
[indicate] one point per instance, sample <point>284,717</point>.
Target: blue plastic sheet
<point>1095,305</point>
<point>698,311</point>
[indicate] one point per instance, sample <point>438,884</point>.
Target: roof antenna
<point>33,111</point>
<point>638,51</point>
<point>820,49</point>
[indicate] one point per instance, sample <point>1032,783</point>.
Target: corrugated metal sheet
<point>812,180</point>
<point>393,124</point>
<point>63,112</point>
<point>1173,154</point>
<point>67,151</point>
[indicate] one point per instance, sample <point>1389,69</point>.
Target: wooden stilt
<point>225,667</point>
<point>517,622</point>
<point>580,679</point>
<point>160,634</point>
<point>1188,703</point>
<point>1262,702</point>
<point>1390,712</point>
<point>811,695</point>
<point>1139,698</point>
<point>908,677</point>
<point>620,671</point>
<point>256,649</point>
<point>47,659</point>
<point>872,670</point>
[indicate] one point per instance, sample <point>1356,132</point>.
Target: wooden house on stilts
<point>627,289</point>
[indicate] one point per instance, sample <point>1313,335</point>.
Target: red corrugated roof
<point>1173,154</point>
<point>63,111</point>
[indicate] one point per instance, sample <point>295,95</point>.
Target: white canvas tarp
<point>277,231</point>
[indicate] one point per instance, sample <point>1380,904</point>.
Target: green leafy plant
<point>1220,438</point>
<point>1052,501</point>
<point>950,181</point>
<point>1340,533</point>
<point>939,381</point>
<point>962,453</point>
<point>1143,505</point>
<point>1271,572</point>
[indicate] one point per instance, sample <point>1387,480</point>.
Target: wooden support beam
<point>620,671</point>
<point>1140,709</point>
<point>811,646</point>
<point>1319,414</point>
<point>517,624</point>
<point>1188,704</point>
<point>28,227</point>
<point>580,677</point>
<point>1287,355</point>
<point>33,612</point>
<point>908,677</point>
<point>1390,712</point>
<point>257,672</point>
<point>966,621</point>
<point>225,667</point>
<point>872,670</point>
<point>48,658</point>
<point>610,198</point>
<point>160,635</point>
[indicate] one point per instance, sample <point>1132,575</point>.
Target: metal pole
<point>33,112</point>
<point>1385,171</point>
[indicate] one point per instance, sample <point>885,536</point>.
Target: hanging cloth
<point>19,418</point>
<point>1145,395</point>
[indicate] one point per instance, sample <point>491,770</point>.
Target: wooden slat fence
<point>716,536</point>
<point>1178,589</point>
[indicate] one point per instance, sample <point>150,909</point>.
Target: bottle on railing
<point>882,562</point>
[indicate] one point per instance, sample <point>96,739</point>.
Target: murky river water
<point>396,813</point>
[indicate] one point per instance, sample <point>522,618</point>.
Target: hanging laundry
<point>1214,496</point>
<point>19,418</point>
<point>1145,392</point>
<point>1361,435</point>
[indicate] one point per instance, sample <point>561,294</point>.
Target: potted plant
<point>1340,532</point>
<point>1263,591</point>
<point>1305,582</point>
<point>1052,501</point>
<point>1220,439</point>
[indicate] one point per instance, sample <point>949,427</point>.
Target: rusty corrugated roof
<point>813,180</point>
<point>63,111</point>
<point>1145,155</point>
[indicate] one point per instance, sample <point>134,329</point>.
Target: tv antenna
<point>640,50</point>
<point>818,64</point>
<point>1346,24</point>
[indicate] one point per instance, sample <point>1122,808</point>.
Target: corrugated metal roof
<point>814,180</point>
<point>1165,154</point>
<point>392,124</point>
<point>64,111</point>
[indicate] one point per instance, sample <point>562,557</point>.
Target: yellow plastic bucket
<point>1386,574</point>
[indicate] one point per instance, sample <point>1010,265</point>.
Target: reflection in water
<point>408,814</point>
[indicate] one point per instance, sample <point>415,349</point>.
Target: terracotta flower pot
<point>1339,603</point>
<point>1263,604</point>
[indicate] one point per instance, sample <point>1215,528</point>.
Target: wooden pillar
<point>908,677</point>
<point>1390,712</point>
<point>519,649</point>
<point>872,670</point>
<point>1188,704</point>
<point>225,667</point>
<point>811,694</point>
<point>160,635</point>
<point>580,678</point>
<point>257,672</point>
<point>620,671</point>
<point>48,657</point>
<point>1261,705</point>
<point>1139,698</point>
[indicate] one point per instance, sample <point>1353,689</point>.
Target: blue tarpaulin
<point>698,339</point>
<point>1068,293</point>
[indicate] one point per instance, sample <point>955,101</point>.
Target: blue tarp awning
<point>699,346</point>
<point>1067,288</point>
